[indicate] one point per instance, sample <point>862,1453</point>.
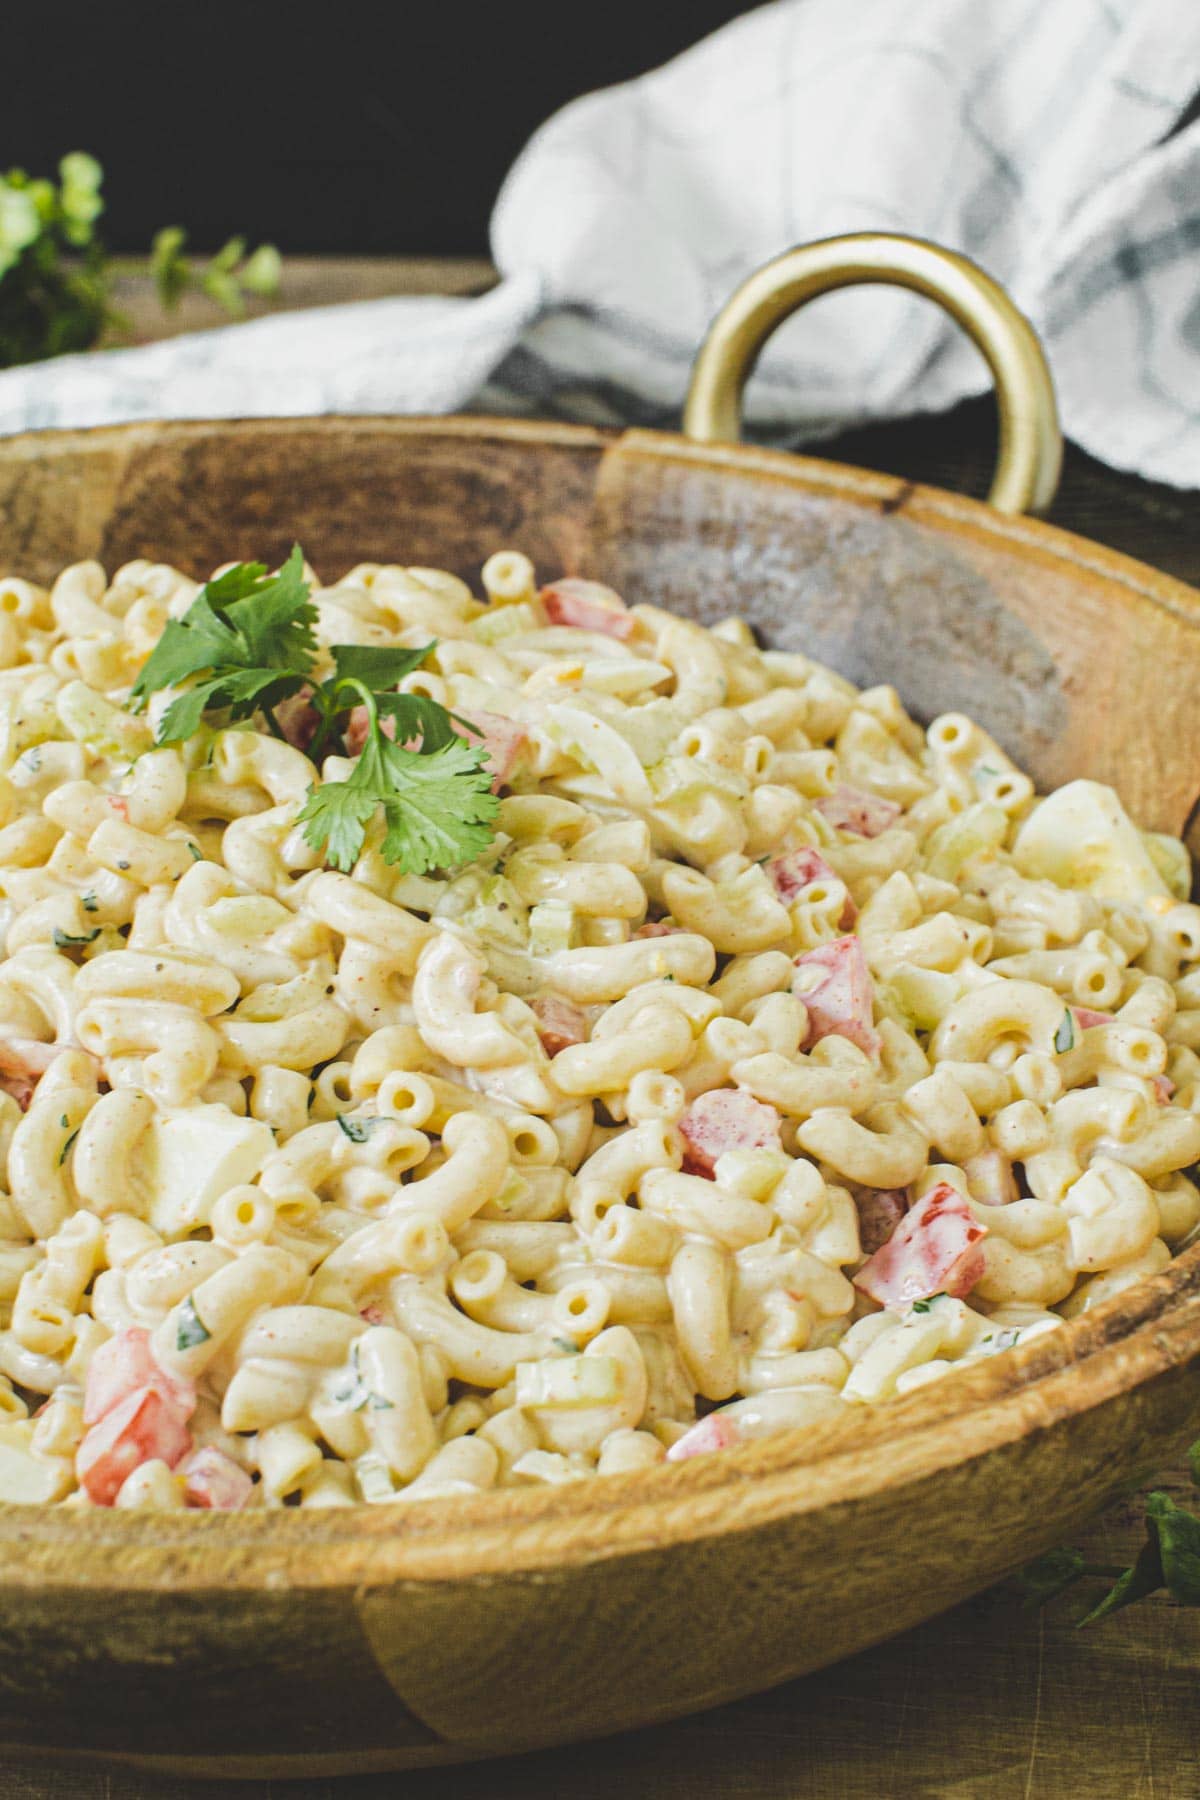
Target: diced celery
<point>678,776</point>
<point>923,997</point>
<point>552,927</point>
<point>753,1173</point>
<point>91,719</point>
<point>978,828</point>
<point>569,1381</point>
<point>247,915</point>
<point>498,912</point>
<point>1172,861</point>
<point>651,729</point>
<point>504,621</point>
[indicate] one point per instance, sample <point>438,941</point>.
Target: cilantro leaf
<point>438,806</point>
<point>1064,1037</point>
<point>418,718</point>
<point>242,691</point>
<point>251,633</point>
<point>379,665</point>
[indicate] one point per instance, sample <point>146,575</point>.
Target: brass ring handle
<point>1030,455</point>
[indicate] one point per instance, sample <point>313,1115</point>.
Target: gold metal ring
<point>1030,455</point>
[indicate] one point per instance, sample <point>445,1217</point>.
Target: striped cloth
<point>1047,139</point>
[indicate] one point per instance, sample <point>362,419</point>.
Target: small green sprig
<point>56,276</point>
<point>1169,1558</point>
<point>247,643</point>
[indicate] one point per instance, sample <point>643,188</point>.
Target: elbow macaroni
<point>400,1172</point>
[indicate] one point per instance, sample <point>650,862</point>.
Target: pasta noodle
<point>776,1057</point>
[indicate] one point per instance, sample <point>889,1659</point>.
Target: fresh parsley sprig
<point>1169,1558</point>
<point>249,634</point>
<point>247,643</point>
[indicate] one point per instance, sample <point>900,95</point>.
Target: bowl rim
<point>1146,1330</point>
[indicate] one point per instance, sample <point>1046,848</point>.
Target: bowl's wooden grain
<point>317,1643</point>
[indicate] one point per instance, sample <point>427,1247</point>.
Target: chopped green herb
<point>247,642</point>
<point>90,903</point>
<point>357,1130</point>
<point>1064,1037</point>
<point>66,1149</point>
<point>1169,1558</point>
<point>568,1346</point>
<point>923,1306</point>
<point>196,852</point>
<point>64,941</point>
<point>191,1329</point>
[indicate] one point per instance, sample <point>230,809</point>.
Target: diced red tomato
<point>712,1433</point>
<point>124,1365</point>
<point>212,1479</point>
<point>879,1210</point>
<point>588,604</point>
<point>501,738</point>
<point>656,928</point>
<point>116,803</point>
<point>937,1248</point>
<point>850,809</point>
<point>800,869</point>
<point>725,1119</point>
<point>560,1022</point>
<point>1164,1088</point>
<point>991,1178</point>
<point>835,985</point>
<point>373,1313</point>
<point>144,1427</point>
<point>1087,1016</point>
<point>23,1062</point>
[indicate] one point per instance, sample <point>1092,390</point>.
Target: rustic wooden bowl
<point>295,1643</point>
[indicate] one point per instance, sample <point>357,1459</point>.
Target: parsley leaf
<point>438,806</point>
<point>379,665</point>
<point>64,941</point>
<point>1064,1037</point>
<point>357,1130</point>
<point>247,642</point>
<point>249,632</point>
<point>190,1329</point>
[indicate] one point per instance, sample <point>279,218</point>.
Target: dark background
<point>371,126</point>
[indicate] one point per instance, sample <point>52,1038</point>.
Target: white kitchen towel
<point>1040,137</point>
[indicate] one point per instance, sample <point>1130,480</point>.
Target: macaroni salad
<point>773,1057</point>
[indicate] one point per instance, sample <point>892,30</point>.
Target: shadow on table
<point>990,1702</point>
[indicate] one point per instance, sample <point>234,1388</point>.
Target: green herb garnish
<point>246,643</point>
<point>357,1130</point>
<point>1169,1558</point>
<point>923,1306</point>
<point>56,278</point>
<point>64,941</point>
<point>191,1329</point>
<point>1064,1037</point>
<point>66,1149</point>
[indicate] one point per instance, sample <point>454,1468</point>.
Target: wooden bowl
<point>287,1642</point>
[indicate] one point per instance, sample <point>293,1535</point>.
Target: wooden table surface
<point>989,1702</point>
